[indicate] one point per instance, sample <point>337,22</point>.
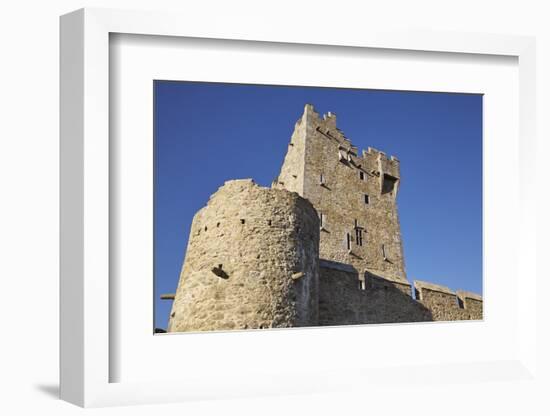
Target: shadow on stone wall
<point>345,299</point>
<point>447,305</point>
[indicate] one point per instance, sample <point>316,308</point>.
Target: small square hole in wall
<point>242,220</point>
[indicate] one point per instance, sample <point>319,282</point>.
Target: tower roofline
<point>326,125</point>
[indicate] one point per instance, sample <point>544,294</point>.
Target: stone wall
<point>447,305</point>
<point>346,298</point>
<point>355,195</point>
<point>292,175</point>
<point>251,262</point>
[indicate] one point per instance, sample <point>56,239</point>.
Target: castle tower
<point>354,194</point>
<point>251,262</point>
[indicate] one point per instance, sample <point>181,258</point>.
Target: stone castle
<point>322,246</point>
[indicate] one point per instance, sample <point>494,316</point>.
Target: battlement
<point>349,296</point>
<point>326,125</point>
<point>371,151</point>
<point>463,295</point>
<point>425,290</point>
<point>446,304</point>
<point>421,287</point>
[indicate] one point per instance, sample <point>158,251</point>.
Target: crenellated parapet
<point>447,305</point>
<point>348,296</point>
<point>372,161</point>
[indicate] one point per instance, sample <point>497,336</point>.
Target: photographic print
<point>290,206</point>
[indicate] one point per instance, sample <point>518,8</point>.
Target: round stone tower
<point>252,261</point>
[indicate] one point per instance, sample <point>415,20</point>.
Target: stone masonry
<point>354,195</point>
<point>321,247</point>
<point>252,262</point>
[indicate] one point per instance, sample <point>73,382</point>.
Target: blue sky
<point>207,133</point>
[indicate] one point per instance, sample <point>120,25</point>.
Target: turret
<point>251,262</point>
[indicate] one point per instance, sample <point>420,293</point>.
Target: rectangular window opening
<point>362,175</point>
<point>367,200</point>
<point>388,184</point>
<point>348,241</point>
<point>359,236</point>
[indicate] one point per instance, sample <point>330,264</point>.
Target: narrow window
<point>356,224</point>
<point>359,236</point>
<point>366,199</point>
<point>348,241</point>
<point>362,175</point>
<point>384,252</point>
<point>322,220</point>
<point>321,179</point>
<point>242,221</point>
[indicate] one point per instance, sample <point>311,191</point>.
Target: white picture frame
<point>86,355</point>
